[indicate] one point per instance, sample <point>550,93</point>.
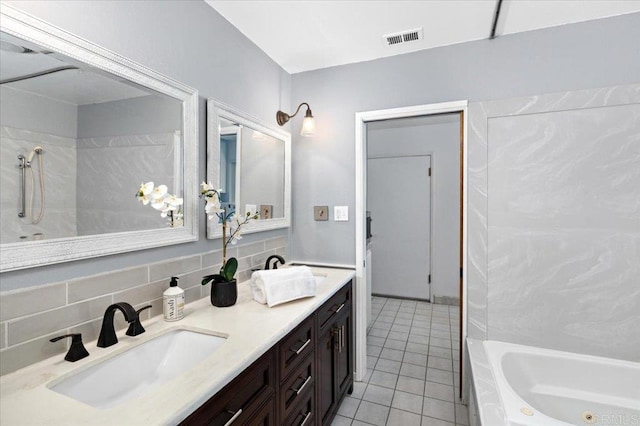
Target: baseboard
<point>446,300</point>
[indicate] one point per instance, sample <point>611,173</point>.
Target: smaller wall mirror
<point>250,162</point>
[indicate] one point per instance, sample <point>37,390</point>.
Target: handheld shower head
<point>37,150</point>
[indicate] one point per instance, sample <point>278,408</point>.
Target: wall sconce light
<point>308,124</point>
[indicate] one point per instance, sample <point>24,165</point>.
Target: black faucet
<point>107,332</point>
<point>76,350</point>
<point>279,259</point>
<point>135,326</point>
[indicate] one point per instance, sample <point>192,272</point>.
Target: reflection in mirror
<point>75,145</point>
<point>80,129</point>
<point>262,174</point>
<point>228,154</point>
<point>250,163</point>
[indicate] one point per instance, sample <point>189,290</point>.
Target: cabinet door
<point>326,377</point>
<point>344,354</point>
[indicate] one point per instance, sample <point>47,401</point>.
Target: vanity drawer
<point>338,302</point>
<point>265,416</point>
<point>303,414</point>
<point>241,398</point>
<point>296,346</point>
<point>297,387</point>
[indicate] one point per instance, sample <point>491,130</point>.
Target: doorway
<point>363,119</point>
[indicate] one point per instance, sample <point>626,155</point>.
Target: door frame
<point>361,120</point>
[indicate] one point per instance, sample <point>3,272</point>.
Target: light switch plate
<point>321,212</point>
<point>250,209</point>
<point>341,213</point>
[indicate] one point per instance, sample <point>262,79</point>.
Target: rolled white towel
<point>276,286</point>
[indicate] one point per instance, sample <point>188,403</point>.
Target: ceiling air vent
<point>402,37</point>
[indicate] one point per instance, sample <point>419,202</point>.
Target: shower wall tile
<point>561,223</point>
<point>59,218</point>
<point>31,317</point>
<point>114,167</point>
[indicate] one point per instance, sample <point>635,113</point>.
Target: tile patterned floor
<point>412,368</point>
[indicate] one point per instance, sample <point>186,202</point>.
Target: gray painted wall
<point>430,135</point>
<point>189,42</point>
<point>22,110</point>
<point>135,116</point>
<point>584,55</point>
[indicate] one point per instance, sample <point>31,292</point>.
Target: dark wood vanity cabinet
<point>334,354</point>
<point>299,382</point>
<point>249,399</point>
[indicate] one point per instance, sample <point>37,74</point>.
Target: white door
<point>399,199</point>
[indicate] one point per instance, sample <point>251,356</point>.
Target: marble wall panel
<point>554,221</point>
<point>477,222</point>
<point>564,231</point>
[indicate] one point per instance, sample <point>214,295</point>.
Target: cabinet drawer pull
<point>307,417</point>
<point>340,308</point>
<point>234,418</point>
<point>297,391</point>
<point>301,347</point>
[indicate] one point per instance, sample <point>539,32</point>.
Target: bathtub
<point>520,385</point>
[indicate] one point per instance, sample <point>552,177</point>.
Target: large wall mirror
<point>80,129</point>
<point>250,162</point>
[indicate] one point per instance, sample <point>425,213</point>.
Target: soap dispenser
<point>173,301</point>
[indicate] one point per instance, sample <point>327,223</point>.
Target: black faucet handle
<point>135,326</point>
<point>77,350</point>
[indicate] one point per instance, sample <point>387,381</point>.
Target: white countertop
<point>251,328</point>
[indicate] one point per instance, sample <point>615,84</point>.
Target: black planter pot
<point>224,293</point>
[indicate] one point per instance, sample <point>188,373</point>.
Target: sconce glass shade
<point>308,126</point>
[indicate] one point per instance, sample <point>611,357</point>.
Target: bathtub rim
<point>486,374</point>
<point>485,389</point>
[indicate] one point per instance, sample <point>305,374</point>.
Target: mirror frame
<point>30,254</point>
<point>217,110</point>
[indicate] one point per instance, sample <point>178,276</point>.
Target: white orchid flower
<point>206,187</point>
<point>143,194</point>
<point>174,201</point>
<point>159,192</point>
<point>212,209</point>
<point>158,203</point>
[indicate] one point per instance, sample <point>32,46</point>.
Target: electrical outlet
<point>321,212</point>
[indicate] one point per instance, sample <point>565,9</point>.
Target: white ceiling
<point>308,35</point>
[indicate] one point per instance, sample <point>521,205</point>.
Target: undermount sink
<point>140,369</point>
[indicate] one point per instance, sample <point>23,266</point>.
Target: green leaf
<point>229,269</point>
<point>215,278</point>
